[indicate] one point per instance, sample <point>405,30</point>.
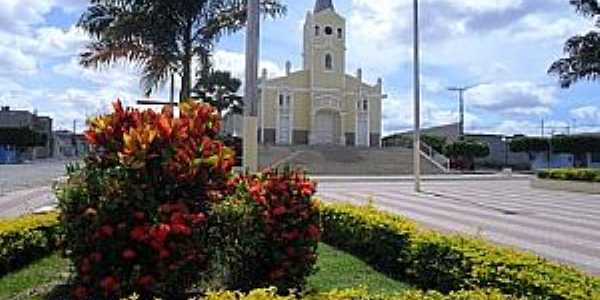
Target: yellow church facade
<point>321,104</point>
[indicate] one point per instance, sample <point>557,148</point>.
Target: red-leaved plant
<point>135,215</point>
<point>287,228</point>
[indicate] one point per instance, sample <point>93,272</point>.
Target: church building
<point>321,104</point>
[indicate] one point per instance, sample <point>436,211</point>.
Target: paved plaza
<point>561,226</point>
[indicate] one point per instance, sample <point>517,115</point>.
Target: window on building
<point>281,99</point>
<point>340,33</point>
<point>596,157</point>
<point>328,30</point>
<point>365,104</point>
<point>317,30</point>
<point>288,100</point>
<point>328,62</point>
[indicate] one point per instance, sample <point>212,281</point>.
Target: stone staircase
<point>337,160</point>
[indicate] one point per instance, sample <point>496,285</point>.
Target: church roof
<point>322,5</point>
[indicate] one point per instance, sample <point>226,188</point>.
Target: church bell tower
<point>325,41</point>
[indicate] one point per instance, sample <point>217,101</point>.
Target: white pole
<point>417,91</point>
<point>250,158</point>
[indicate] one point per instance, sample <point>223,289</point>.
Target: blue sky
<point>506,44</point>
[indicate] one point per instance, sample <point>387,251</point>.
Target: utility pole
<point>250,142</point>
<point>74,138</point>
<point>417,95</point>
<point>543,128</point>
<point>461,90</point>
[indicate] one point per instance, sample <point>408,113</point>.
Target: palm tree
<point>163,37</point>
<point>582,51</point>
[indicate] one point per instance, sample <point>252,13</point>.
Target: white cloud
<point>18,15</point>
<point>13,62</point>
<point>586,113</point>
<point>523,98</point>
<point>56,42</point>
<point>235,62</point>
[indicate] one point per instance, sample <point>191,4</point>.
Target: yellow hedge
<point>446,263</point>
<point>354,294</point>
<point>25,239</point>
<point>28,222</point>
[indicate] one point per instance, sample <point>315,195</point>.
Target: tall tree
<point>582,61</point>
<point>162,36</point>
<point>220,89</point>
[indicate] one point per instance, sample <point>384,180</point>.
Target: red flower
<point>146,281</point>
<point>164,253</point>
<point>107,231</point>
<point>177,218</point>
<point>129,254</point>
<point>307,188</point>
<point>138,233</point>
<point>181,229</point>
<point>140,216</point>
<point>291,236</point>
<point>313,231</point>
<point>109,284</point>
<point>79,292</point>
<point>161,232</point>
<point>291,252</point>
<point>85,266</point>
<point>96,256</point>
<point>279,211</point>
<point>198,219</point>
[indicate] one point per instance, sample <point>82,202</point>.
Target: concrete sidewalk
<point>561,226</point>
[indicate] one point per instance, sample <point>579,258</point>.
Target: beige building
<point>321,104</point>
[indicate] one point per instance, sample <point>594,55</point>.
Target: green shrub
<point>448,263</point>
<point>588,175</point>
<point>134,215</point>
<point>24,239</point>
<point>267,231</point>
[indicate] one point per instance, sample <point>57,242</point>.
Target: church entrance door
<point>327,128</point>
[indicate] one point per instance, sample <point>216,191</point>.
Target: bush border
<point>27,238</point>
<point>430,260</point>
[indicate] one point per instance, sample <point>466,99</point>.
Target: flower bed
<point>154,210</point>
<point>359,294</point>
<point>22,240</point>
<point>430,260</point>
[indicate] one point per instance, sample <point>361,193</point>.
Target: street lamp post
<point>417,104</point>
<point>250,142</point>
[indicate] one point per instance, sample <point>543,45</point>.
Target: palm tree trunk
<point>186,82</point>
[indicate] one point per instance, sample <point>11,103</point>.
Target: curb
<point>401,179</point>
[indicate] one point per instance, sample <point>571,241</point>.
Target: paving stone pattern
<point>561,226</point>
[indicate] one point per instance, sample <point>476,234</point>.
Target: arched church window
<point>328,30</point>
<point>340,33</point>
<point>328,62</point>
<point>317,30</point>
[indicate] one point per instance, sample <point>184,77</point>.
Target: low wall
<point>567,185</point>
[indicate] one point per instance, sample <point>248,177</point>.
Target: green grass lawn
<point>34,280</point>
<point>339,270</point>
<point>336,270</point>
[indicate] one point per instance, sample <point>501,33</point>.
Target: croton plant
<point>136,214</point>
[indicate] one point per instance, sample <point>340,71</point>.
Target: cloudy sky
<point>505,44</point>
